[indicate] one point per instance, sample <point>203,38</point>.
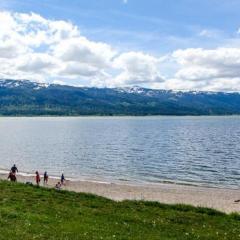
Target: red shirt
<point>38,178</point>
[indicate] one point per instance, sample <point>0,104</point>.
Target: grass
<point>28,212</point>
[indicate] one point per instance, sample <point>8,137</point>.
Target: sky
<point>178,45</point>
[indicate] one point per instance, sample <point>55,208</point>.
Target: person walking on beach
<point>38,179</point>
<point>45,178</point>
<point>14,169</point>
<point>62,179</point>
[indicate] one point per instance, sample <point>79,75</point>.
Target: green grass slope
<point>28,212</point>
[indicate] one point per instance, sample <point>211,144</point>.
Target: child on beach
<point>45,178</point>
<point>58,186</point>
<point>38,179</point>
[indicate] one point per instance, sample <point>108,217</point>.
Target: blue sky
<point>169,40</point>
<point>154,25</point>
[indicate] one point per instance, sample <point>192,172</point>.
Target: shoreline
<point>218,198</point>
<point>123,181</point>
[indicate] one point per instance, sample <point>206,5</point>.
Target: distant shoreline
<point>33,99</point>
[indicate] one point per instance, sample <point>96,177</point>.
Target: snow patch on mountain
<point>8,83</point>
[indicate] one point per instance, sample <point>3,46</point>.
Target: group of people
<point>13,178</point>
<point>38,178</point>
<point>45,180</point>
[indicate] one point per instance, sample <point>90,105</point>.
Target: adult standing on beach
<point>45,178</point>
<point>38,179</point>
<point>62,179</point>
<point>14,169</point>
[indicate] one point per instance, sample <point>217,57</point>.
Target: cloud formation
<point>137,68</point>
<point>218,69</point>
<point>33,47</point>
<point>41,49</point>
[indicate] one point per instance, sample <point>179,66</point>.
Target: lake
<point>186,150</point>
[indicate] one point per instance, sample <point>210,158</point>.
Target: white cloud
<point>213,69</point>
<point>82,50</point>
<point>33,47</point>
<point>36,62</point>
<point>137,68</point>
<point>200,64</point>
<point>9,49</point>
<point>31,44</point>
<point>210,33</point>
<point>78,69</point>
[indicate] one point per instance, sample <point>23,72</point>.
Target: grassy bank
<point>28,212</point>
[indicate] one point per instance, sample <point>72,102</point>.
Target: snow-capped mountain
<point>23,97</point>
<point>8,83</point>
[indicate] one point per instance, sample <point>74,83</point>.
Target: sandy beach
<point>220,199</point>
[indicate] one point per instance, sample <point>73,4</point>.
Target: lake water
<point>189,150</point>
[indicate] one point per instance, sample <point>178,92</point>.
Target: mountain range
<point>27,98</point>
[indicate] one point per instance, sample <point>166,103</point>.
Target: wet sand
<point>220,199</point>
